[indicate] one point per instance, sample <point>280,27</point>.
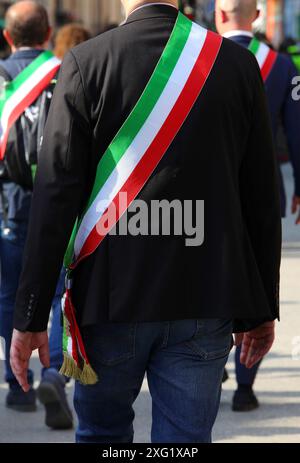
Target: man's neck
<point>237,27</point>
<point>133,6</point>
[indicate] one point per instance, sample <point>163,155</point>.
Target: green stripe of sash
<point>254,45</point>
<point>139,115</point>
<point>13,86</point>
<point>65,337</point>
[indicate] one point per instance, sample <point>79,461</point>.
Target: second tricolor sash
<point>134,154</point>
<point>21,93</point>
<point>265,56</point>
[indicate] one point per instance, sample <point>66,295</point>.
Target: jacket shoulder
<point>99,45</point>
<point>239,56</point>
<point>285,64</point>
<point>240,66</point>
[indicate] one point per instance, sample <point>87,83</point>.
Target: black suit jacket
<point>223,155</point>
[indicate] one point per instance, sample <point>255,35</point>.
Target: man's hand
<point>256,344</point>
<point>22,346</point>
<point>296,208</point>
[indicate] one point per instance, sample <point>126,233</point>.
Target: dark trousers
<point>244,376</point>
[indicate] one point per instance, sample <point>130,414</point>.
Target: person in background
<point>4,48</point>
<point>27,32</point>
<point>290,47</point>
<point>68,37</point>
<point>234,20</point>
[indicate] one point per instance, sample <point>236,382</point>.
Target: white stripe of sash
<point>262,54</point>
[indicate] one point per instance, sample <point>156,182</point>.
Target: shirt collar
<point>155,10</point>
<point>152,4</point>
<point>26,53</point>
<point>236,33</point>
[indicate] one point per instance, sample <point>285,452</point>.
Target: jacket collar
<point>26,54</point>
<point>152,11</point>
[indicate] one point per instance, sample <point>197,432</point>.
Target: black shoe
<point>52,395</point>
<point>21,401</point>
<point>244,400</point>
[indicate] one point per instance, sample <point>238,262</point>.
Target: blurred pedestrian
<point>291,48</point>
<point>30,76</point>
<point>234,20</point>
<point>68,37</point>
<point>4,48</point>
<point>156,109</point>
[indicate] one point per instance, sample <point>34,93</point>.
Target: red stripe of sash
<point>25,103</point>
<point>268,65</point>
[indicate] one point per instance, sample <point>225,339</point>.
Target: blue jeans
<point>12,242</point>
<point>184,362</point>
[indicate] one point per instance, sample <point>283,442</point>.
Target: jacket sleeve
<point>260,198</point>
<point>291,123</point>
<point>57,198</point>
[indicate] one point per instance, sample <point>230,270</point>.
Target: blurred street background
<point>279,18</point>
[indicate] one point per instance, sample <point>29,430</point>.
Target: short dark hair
<point>28,30</point>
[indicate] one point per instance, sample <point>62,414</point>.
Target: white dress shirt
<point>236,32</point>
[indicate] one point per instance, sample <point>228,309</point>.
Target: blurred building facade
<point>94,14</point>
<point>292,18</point>
<point>279,19</point>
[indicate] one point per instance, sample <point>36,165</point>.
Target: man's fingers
<point>295,205</point>
<point>238,339</point>
<point>245,349</point>
<point>23,381</point>
<point>20,368</point>
<point>253,358</point>
<point>255,350</point>
<point>44,355</point>
<point>22,346</point>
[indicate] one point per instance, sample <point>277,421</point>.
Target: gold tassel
<point>70,368</point>
<point>88,376</point>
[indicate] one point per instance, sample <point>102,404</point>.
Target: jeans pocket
<point>213,339</point>
<point>111,343</point>
<point>198,329</point>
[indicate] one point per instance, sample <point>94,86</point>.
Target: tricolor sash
<point>294,51</point>
<point>134,154</point>
<point>21,93</point>
<point>265,56</point>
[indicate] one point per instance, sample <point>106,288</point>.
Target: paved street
<point>278,384</point>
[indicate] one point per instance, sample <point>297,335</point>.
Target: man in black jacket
<point>152,303</point>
